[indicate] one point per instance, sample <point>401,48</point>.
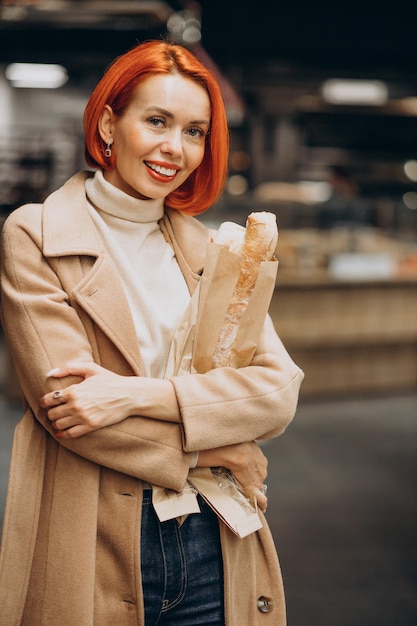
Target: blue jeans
<point>182,569</point>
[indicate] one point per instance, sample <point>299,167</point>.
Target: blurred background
<point>322,107</point>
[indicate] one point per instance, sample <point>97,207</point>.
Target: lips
<point>162,172</point>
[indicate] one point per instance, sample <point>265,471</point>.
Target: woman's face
<point>159,139</point>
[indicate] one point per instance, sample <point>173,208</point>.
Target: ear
<point>105,123</point>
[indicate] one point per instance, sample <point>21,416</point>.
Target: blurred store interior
<point>322,106</point>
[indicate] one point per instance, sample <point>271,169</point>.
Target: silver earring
<point>107,151</point>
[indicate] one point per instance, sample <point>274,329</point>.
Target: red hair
<point>206,183</point>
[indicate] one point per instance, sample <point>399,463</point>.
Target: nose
<point>172,143</point>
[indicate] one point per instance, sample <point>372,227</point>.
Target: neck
<point>115,202</point>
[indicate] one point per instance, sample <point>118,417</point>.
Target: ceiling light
<point>410,200</point>
<point>36,75</point>
<point>410,168</point>
<point>355,92</point>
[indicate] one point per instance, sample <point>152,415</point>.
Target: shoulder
<point>31,213</point>
<point>27,217</point>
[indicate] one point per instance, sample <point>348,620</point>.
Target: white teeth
<point>161,170</point>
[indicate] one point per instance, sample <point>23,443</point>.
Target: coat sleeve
<point>226,405</point>
<point>43,329</point>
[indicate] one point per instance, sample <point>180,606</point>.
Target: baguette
<point>259,243</point>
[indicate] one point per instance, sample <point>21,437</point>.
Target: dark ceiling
<point>365,37</point>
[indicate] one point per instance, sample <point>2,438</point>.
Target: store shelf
<point>349,336</point>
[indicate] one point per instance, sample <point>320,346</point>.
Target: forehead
<point>172,92</point>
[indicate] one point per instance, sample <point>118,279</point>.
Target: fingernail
<point>53,372</point>
<point>58,433</point>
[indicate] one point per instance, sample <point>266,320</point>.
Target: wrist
<point>230,457</point>
<point>155,398</point>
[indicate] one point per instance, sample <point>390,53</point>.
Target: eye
<point>195,132</point>
<point>157,122</point>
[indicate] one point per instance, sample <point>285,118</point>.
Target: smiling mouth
<point>161,170</point>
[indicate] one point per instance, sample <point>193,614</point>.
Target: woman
<point>94,284</point>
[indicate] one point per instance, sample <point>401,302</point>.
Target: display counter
<point>348,336</point>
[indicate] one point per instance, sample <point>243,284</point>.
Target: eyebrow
<point>172,116</point>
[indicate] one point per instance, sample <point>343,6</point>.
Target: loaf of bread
<point>259,242</point>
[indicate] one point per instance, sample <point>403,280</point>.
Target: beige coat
<point>70,551</point>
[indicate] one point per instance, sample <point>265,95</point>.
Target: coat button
<point>265,605</point>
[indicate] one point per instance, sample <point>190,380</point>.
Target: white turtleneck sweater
<point>155,287</point>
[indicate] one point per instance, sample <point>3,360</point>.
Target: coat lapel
<point>189,239</point>
<point>95,285</point>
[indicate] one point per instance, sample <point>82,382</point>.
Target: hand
<point>247,463</point>
<point>101,399</point>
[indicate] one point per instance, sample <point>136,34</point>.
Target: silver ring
<point>57,395</point>
<point>264,489</point>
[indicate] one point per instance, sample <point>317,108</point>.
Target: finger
<point>57,412</point>
<point>57,372</point>
<point>73,432</point>
<point>63,423</point>
<point>53,399</point>
<point>258,496</point>
<point>74,369</point>
<point>262,500</point>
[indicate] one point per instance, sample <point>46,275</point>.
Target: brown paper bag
<point>219,278</point>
